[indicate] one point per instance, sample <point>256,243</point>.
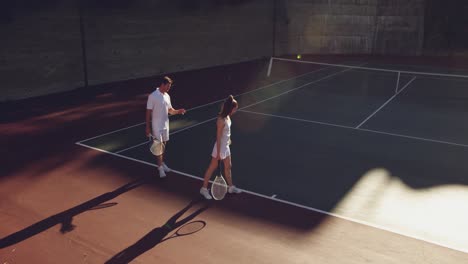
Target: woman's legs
<point>227,170</point>
<point>228,174</point>
<point>209,171</point>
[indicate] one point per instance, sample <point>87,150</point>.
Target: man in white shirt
<point>158,109</point>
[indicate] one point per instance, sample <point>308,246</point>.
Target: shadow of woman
<point>157,235</point>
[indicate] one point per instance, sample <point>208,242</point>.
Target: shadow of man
<point>65,218</point>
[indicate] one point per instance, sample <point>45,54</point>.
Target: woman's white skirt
<point>225,151</point>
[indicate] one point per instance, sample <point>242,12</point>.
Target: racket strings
<point>219,188</point>
<point>157,146</point>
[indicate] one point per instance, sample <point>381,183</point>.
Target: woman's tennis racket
<point>219,187</point>
<point>157,145</point>
<point>187,229</point>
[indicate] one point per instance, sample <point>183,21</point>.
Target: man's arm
<point>148,122</point>
<point>173,111</point>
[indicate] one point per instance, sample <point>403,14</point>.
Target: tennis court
<point>349,144</point>
<point>377,144</point>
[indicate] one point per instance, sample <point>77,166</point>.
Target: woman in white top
<point>221,150</point>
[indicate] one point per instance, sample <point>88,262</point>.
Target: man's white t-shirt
<point>160,104</point>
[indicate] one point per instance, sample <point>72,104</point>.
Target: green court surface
<point>373,147</point>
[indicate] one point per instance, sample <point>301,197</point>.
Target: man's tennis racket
<point>219,187</point>
<point>157,145</point>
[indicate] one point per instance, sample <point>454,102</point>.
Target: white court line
<point>302,206</point>
<point>388,101</point>
<point>309,62</point>
<point>292,203</point>
<point>261,88</point>
<point>407,84</point>
<point>415,138</point>
<point>397,83</point>
<point>175,132</point>
<point>132,159</point>
<point>362,129</point>
<point>240,110</point>
<point>110,132</point>
<point>217,101</point>
<point>194,125</point>
<point>375,69</point>
<point>200,123</point>
<point>298,119</point>
<point>297,88</point>
<point>132,147</point>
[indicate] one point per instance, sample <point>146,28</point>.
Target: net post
<point>269,67</point>
<point>397,82</point>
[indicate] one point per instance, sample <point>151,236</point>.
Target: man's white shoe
<point>166,168</point>
<point>162,174</point>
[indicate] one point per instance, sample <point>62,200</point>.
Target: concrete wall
<point>446,27</point>
<point>42,49</point>
<point>400,27</point>
<point>149,37</point>
<point>349,26</point>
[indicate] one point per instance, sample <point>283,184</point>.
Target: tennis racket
<point>219,187</point>
<point>157,145</point>
<point>187,229</point>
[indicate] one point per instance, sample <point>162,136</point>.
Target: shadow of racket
<point>187,229</point>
